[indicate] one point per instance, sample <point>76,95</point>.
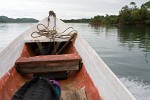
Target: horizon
<point>37,19</point>
<point>67,9</point>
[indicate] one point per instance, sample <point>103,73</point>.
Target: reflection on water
<point>135,35</point>
<point>126,50</point>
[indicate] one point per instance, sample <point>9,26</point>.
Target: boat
<point>66,57</point>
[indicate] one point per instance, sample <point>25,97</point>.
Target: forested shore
<point>5,19</point>
<point>128,15</point>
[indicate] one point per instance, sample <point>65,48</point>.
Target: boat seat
<point>73,95</point>
<point>48,63</point>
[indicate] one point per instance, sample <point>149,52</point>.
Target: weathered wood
<point>73,36</point>
<point>40,48</point>
<point>48,67</point>
<point>50,58</point>
<point>50,63</point>
<point>73,95</point>
<point>56,47</point>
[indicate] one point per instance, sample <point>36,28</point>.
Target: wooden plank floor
<point>73,95</point>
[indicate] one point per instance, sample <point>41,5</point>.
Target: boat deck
<point>73,95</point>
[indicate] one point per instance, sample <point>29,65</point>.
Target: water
<point>8,32</point>
<point>126,50</point>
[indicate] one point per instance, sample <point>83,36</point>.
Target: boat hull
<point>77,80</point>
<point>96,73</point>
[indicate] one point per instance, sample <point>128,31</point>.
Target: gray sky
<point>65,9</point>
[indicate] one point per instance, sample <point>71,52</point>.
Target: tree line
<point>83,20</point>
<point>128,15</point>
<point>5,19</point>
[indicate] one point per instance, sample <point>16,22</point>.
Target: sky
<point>64,9</point>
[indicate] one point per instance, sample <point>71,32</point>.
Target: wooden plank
<point>49,63</point>
<point>41,48</point>
<point>50,58</point>
<point>56,47</point>
<point>73,37</point>
<point>51,67</point>
<point>73,95</point>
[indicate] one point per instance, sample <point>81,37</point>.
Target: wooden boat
<point>77,66</point>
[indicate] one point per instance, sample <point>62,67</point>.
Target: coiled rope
<point>53,34</point>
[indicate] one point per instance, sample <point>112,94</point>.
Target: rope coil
<point>52,34</point>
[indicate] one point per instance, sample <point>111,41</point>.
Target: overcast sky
<point>65,9</point>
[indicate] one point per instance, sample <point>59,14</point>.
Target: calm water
<point>126,50</point>
<point>8,32</point>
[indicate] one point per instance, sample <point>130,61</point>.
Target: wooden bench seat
<point>48,63</point>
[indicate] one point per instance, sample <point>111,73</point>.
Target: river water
<point>126,50</point>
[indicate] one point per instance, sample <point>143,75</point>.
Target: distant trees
<point>104,20</point>
<point>128,15</point>
<point>83,20</point>
<point>134,15</point>
<point>5,19</point>
<point>133,4</point>
<point>97,20</point>
<point>147,5</point>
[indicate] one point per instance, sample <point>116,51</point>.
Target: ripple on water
<point>139,89</point>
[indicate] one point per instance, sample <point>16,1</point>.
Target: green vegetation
<point>104,20</point>
<point>4,19</point>
<point>134,15</point>
<point>127,16</point>
<point>83,20</point>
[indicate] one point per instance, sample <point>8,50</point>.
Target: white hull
<point>108,85</point>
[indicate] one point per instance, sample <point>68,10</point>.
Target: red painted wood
<point>50,58</point>
<point>70,49</point>
<point>81,79</point>
<point>12,80</point>
<point>10,83</point>
<point>25,52</point>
